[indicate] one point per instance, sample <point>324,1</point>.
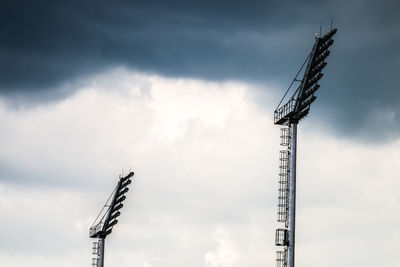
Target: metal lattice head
<point>102,228</point>
<point>298,105</point>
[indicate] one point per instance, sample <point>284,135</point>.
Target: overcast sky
<point>183,93</point>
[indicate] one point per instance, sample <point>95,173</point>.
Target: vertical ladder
<point>96,252</point>
<point>284,172</point>
<point>281,258</point>
<point>281,235</point>
<point>283,196</point>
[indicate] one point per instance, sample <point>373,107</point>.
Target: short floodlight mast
<point>288,115</point>
<point>107,219</point>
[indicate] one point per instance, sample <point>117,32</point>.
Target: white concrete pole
<point>292,194</point>
<point>102,242</point>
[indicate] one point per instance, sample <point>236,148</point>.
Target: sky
<point>183,94</point>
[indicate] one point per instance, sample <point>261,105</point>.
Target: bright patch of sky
<point>205,156</point>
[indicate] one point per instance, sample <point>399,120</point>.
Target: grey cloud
<point>185,189</point>
<point>49,43</point>
<point>46,46</point>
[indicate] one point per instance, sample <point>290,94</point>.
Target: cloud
<point>54,42</point>
<point>205,157</point>
<point>52,46</point>
<point>226,254</point>
<point>181,189</point>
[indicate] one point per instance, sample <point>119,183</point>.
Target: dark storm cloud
<point>47,44</point>
<point>360,94</point>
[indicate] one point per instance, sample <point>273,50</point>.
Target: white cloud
<point>226,253</point>
<point>205,156</point>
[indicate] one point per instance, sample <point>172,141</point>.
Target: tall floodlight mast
<point>289,115</point>
<point>107,219</point>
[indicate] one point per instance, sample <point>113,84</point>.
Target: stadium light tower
<point>100,229</point>
<point>289,115</point>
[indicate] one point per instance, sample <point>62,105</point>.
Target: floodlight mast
<point>101,229</point>
<point>289,115</point>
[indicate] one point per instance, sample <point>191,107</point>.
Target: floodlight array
<point>303,97</point>
<point>104,228</point>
